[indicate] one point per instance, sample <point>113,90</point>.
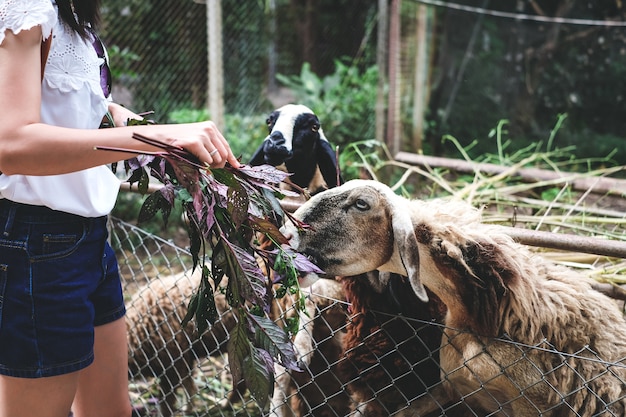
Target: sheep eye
<point>361,205</point>
<point>268,121</point>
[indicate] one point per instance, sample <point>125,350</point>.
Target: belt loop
<point>10,218</point>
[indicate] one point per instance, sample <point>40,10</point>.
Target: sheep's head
<point>297,140</point>
<point>359,227</point>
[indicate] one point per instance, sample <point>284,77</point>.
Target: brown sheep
<point>316,391</point>
<point>392,344</point>
<point>522,336</point>
<point>387,335</point>
<point>158,346</point>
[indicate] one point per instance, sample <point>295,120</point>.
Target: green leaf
<point>224,176</point>
<point>292,324</point>
<point>265,204</point>
<point>136,175</point>
<point>144,182</point>
<point>195,244</point>
<point>202,304</point>
<point>154,203</point>
<point>219,262</point>
<point>184,196</point>
<point>237,197</point>
<point>191,309</point>
<point>206,312</point>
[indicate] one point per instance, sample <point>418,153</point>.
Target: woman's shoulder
<point>18,15</point>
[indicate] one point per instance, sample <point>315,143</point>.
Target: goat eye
<point>361,205</point>
<point>315,127</point>
<point>268,121</point>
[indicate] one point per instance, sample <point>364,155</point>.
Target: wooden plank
<point>598,185</point>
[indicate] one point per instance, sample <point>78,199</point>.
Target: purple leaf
<point>301,262</point>
<point>273,339</point>
<point>265,173</point>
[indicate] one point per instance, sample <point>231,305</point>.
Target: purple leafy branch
<point>226,209</point>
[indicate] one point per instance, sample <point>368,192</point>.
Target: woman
<point>62,332</point>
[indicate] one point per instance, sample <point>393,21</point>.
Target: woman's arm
<point>30,147</point>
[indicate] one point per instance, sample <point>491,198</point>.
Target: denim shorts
<point>58,280</point>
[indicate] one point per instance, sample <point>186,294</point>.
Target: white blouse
<point>71,96</point>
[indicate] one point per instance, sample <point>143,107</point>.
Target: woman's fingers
<point>220,152</point>
<point>209,145</point>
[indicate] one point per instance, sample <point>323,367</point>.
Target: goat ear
<point>408,249</point>
<point>258,158</point>
<point>327,162</point>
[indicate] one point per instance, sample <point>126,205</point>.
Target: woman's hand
<point>205,141</point>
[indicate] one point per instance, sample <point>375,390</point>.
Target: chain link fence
<point>478,64</point>
<point>159,51</point>
<point>440,68</point>
<point>370,359</point>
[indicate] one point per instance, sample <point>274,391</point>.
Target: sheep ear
<point>258,158</point>
<point>327,162</point>
<point>408,249</point>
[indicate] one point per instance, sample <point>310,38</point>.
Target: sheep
<point>522,336</point>
<point>389,333</point>
<point>319,344</point>
<point>379,360</point>
<point>159,346</point>
<point>296,142</point>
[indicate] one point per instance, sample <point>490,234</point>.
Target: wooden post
<point>382,49</point>
<point>272,86</point>
<point>216,61</point>
<point>393,112</point>
<point>422,69</point>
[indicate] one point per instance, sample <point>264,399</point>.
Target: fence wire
<point>373,361</point>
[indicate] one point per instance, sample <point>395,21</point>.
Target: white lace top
<point>71,96</point>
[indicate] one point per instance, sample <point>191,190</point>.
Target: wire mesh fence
<point>380,360</point>
<point>159,49</point>
<point>373,355</point>
<point>458,69</point>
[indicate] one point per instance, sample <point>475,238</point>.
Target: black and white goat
<point>296,139</point>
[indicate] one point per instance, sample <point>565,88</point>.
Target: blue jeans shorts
<point>58,280</point>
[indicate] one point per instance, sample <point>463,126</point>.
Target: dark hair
<point>78,14</point>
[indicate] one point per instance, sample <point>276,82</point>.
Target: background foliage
<point>482,69</point>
